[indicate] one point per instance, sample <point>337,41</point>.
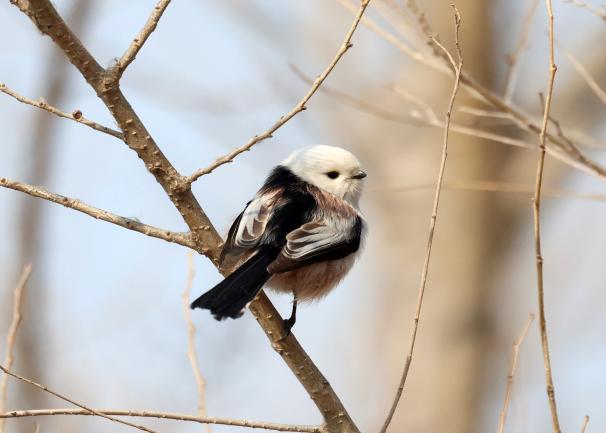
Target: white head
<point>330,168</point>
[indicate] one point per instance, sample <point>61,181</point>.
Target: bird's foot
<point>288,324</point>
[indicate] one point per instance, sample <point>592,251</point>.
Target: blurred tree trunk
<point>33,343</point>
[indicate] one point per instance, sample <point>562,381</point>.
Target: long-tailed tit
<point>300,233</point>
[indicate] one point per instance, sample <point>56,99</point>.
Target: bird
<point>300,234</point>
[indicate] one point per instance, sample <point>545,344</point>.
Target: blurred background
<point>103,320</point>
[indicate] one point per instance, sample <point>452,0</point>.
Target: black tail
<point>230,296</point>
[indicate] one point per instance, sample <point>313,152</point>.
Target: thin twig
<point>128,223</point>
<point>434,214</point>
<point>75,116</point>
<point>493,186</point>
<point>513,60</point>
<point>585,422</point>
<point>169,416</point>
<point>75,403</point>
<point>537,226</point>
<point>515,350</point>
<point>600,12</point>
<point>11,336</point>
<point>346,45</point>
<point>135,46</point>
<point>191,334</point>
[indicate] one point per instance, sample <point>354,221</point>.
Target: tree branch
<point>169,416</point>
<point>75,403</point>
<point>204,237</point>
<point>128,223</point>
<point>12,335</point>
<point>75,116</point>
<point>537,227</point>
<point>135,46</point>
<point>432,224</point>
<point>346,45</point>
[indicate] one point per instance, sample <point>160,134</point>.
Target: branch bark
<point>72,203</point>
<point>75,116</point>
<point>166,415</point>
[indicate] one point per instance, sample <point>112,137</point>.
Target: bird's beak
<point>359,175</point>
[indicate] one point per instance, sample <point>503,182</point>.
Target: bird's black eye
<point>332,174</point>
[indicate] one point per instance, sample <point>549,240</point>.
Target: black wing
<point>318,241</point>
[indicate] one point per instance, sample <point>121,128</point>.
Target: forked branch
<point>204,238</point>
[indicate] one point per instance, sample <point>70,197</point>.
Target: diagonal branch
<point>167,415</point>
<point>434,215</point>
<point>75,403</point>
<point>135,46</point>
<point>586,75</point>
<point>204,237</point>
<point>128,223</point>
<point>537,228</point>
<point>597,11</point>
<point>76,115</point>
<point>346,45</point>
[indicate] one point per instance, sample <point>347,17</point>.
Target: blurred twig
<point>537,226</point>
<point>169,416</point>
<point>426,116</point>
<point>585,74</point>
<point>76,115</point>
<point>513,60</point>
<point>128,223</point>
<point>12,335</point>
<point>434,214</point>
<point>346,45</point>
<point>521,119</point>
<point>494,186</point>
<point>75,403</point>
<point>600,12</point>
<point>191,343</point>
<point>515,350</point>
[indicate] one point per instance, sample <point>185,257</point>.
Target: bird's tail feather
<point>230,296</point>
